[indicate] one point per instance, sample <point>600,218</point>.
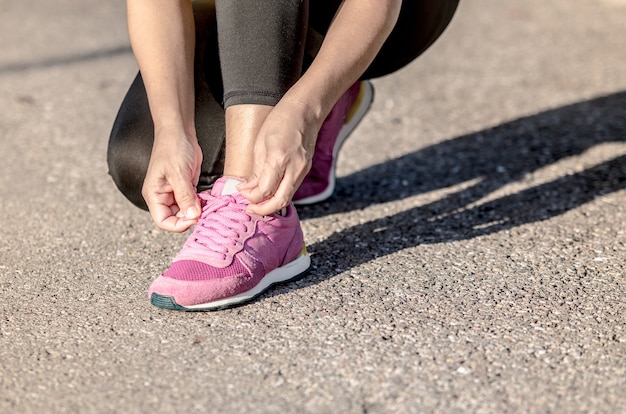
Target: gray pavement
<point>472,260</point>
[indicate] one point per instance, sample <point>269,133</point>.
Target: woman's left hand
<point>282,157</point>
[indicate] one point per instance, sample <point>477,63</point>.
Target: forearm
<point>352,42</point>
<point>162,35</point>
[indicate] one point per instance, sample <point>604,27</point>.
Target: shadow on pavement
<point>64,60</point>
<point>497,156</point>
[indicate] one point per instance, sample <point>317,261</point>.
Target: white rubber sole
<point>291,271</point>
<point>364,102</point>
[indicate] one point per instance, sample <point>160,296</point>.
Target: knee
<point>128,162</point>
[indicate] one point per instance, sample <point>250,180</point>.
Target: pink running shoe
<point>231,256</point>
<point>319,184</point>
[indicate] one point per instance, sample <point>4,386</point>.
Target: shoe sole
<point>287,273</point>
<point>354,118</point>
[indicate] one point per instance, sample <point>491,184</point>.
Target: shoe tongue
<point>226,186</point>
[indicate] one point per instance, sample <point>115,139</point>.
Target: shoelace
<point>220,227</point>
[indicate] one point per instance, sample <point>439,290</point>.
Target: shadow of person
<point>493,158</point>
<point>445,220</point>
<point>498,156</point>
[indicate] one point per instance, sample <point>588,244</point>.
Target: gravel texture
<point>473,258</point>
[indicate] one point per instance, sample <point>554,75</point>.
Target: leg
<point>232,256</point>
<point>420,24</point>
<point>259,64</point>
<point>130,144</point>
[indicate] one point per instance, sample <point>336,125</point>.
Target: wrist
<point>173,130</point>
<point>172,114</point>
<point>316,94</point>
<point>304,108</point>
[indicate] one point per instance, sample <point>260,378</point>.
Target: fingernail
<point>192,212</point>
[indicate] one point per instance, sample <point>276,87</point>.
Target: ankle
<point>243,123</point>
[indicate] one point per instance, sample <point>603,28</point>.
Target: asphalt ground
<point>472,259</point>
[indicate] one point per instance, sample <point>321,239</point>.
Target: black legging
<point>252,52</point>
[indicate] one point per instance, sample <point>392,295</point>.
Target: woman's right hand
<point>170,184</point>
<point>162,35</point>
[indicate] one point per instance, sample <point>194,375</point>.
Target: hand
<point>169,186</point>
<point>282,157</point>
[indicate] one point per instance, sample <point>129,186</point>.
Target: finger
<point>266,185</point>
<point>281,199</point>
<point>248,184</point>
<point>254,195</point>
<point>269,206</point>
<point>165,213</point>
<point>186,198</point>
<point>176,224</point>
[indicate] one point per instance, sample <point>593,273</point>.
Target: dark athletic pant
<point>252,52</point>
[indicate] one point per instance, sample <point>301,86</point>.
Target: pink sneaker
<point>231,256</point>
<point>319,184</point>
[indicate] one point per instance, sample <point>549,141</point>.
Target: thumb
<point>186,199</point>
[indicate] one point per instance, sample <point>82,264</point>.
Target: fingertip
<point>192,213</point>
<point>253,196</point>
<point>255,211</point>
<point>262,209</point>
<point>245,185</point>
<point>177,225</point>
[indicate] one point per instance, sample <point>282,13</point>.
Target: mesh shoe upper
<point>229,250</point>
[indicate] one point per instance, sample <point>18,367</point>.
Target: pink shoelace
<point>221,228</point>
